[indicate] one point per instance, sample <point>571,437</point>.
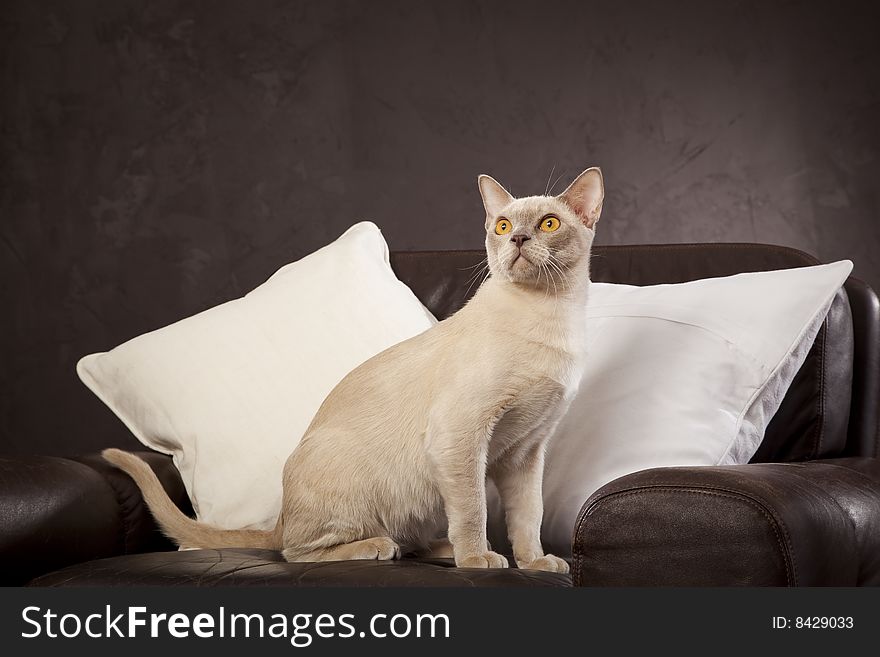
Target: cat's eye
<point>502,227</point>
<point>549,224</point>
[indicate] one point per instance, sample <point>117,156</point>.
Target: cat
<point>400,449</point>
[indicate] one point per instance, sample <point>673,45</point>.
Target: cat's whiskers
<point>540,271</point>
<point>486,275</point>
<point>566,269</point>
<point>550,191</point>
<point>543,268</point>
<point>481,262</point>
<point>551,280</point>
<point>477,273</point>
<point>549,264</point>
<point>555,264</point>
<point>473,279</point>
<point>559,262</point>
<point>555,270</point>
<point>547,186</point>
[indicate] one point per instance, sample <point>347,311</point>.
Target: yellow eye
<point>549,224</point>
<point>502,227</point>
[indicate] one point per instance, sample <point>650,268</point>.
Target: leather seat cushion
<point>247,567</point>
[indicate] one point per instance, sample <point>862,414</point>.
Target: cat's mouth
<point>517,258</point>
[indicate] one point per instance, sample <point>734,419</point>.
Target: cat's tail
<point>183,530</point>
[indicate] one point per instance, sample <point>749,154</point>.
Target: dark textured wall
<point>161,157</point>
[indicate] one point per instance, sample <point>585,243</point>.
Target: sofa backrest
<point>831,406</point>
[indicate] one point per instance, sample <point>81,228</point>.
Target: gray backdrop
<point>161,157</point>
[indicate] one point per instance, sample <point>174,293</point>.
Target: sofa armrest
<point>139,531</point>
<point>57,511</point>
<point>53,512</point>
<point>815,523</point>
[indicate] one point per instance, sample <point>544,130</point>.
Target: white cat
<point>401,448</point>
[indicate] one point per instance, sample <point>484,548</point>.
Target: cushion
<point>814,418</point>
<point>267,568</point>
<point>229,392</point>
<point>684,374</point>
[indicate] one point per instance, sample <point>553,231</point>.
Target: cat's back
<point>397,381</point>
<point>498,336</point>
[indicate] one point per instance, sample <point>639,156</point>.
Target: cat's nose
<point>519,238</point>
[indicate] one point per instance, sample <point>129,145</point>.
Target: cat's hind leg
<point>380,548</point>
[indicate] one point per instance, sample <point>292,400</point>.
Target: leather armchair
<point>805,512</point>
<point>814,523</point>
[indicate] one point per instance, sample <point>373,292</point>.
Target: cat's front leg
<point>458,461</point>
<point>519,480</point>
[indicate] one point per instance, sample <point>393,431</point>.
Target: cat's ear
<point>585,196</point>
<point>495,197</point>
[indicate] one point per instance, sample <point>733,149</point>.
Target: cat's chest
<point>544,348</point>
<point>529,415</point>
<point>559,365</point>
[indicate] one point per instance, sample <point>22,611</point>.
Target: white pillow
<point>687,374</point>
<point>230,391</point>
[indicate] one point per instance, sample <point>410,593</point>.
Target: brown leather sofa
<point>805,512</point>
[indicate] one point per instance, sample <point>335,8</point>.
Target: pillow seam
<point>800,336</point>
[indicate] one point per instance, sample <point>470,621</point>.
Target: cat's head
<point>542,241</point>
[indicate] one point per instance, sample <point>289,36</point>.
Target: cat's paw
<point>381,549</point>
<point>548,562</point>
<point>485,560</point>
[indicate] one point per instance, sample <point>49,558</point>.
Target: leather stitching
<point>125,522</point>
<point>819,431</point>
<point>868,483</point>
<point>127,529</point>
<point>863,439</point>
<point>783,539</point>
<point>122,536</point>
